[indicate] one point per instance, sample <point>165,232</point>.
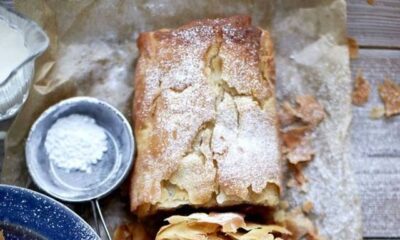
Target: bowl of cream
<point>21,42</point>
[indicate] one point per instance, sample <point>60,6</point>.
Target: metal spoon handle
<point>96,202</point>
<point>96,222</point>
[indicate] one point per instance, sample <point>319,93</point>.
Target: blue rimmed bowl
<point>25,214</point>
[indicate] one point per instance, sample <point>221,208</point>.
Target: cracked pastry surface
<point>205,118</point>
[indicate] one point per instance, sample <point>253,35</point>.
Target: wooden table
<point>377,29</point>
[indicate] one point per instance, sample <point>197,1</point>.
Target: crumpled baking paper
<point>93,51</point>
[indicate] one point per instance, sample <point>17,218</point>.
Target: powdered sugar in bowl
<point>80,149</point>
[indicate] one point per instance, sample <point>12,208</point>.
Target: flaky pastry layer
<point>205,118</point>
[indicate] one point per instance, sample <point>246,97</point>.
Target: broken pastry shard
<point>389,92</point>
<point>297,144</point>
<point>229,222</point>
<point>131,231</point>
<point>286,115</point>
<point>205,117</point>
<point>307,207</point>
<point>308,110</point>
<point>353,47</point>
<point>361,90</point>
<point>299,225</point>
<point>299,175</point>
<point>293,136</point>
<point>301,153</point>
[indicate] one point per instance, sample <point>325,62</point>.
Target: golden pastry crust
<point>361,91</point>
<point>205,117</point>
<point>389,92</point>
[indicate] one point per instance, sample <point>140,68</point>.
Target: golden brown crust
<point>205,118</point>
<point>389,92</point>
<point>361,90</point>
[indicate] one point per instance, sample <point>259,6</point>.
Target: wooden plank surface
<point>376,149</point>
<point>377,25</point>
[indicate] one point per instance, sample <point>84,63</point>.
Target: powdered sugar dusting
<point>240,54</point>
<point>184,114</point>
<point>226,125</point>
<point>198,88</point>
<point>176,102</point>
<point>249,160</point>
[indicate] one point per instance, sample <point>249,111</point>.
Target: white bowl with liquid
<point>21,42</point>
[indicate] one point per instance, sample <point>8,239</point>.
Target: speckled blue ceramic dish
<point>25,214</point>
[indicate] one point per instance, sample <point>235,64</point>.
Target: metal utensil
<point>106,175</point>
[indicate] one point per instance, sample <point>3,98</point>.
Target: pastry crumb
<point>371,2</point>
<point>297,123</point>
<point>284,204</point>
<point>310,111</point>
<point>377,112</point>
<point>299,175</point>
<point>307,206</point>
<point>361,90</point>
<point>303,152</point>
<point>353,47</point>
<point>389,92</point>
<point>286,114</point>
<point>299,180</point>
<point>130,231</point>
<point>293,136</point>
<point>300,225</point>
<point>291,183</point>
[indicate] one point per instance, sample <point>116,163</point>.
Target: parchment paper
<point>93,51</point>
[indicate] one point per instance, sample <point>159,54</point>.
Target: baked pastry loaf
<point>205,118</point>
